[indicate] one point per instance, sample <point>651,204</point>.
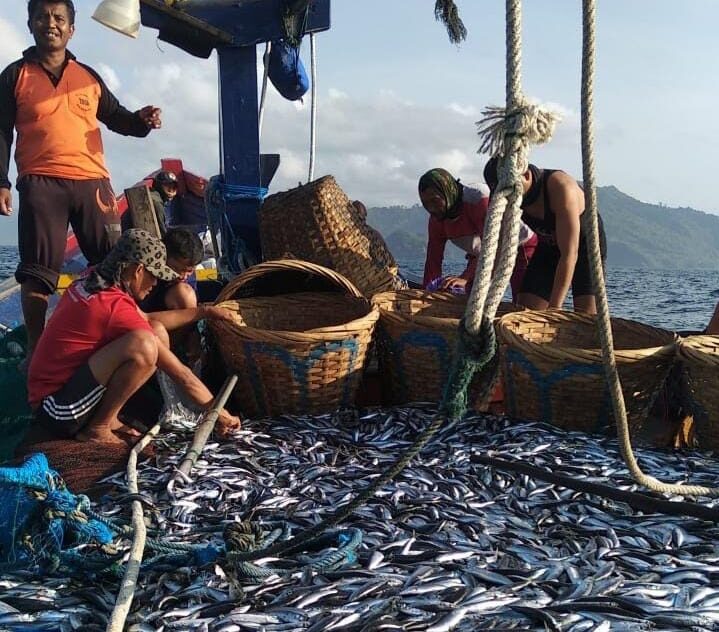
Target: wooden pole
<point>205,428</point>
<point>142,210</point>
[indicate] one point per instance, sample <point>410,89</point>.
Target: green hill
<point>638,234</point>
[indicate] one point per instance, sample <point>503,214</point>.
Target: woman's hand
<point>453,283</point>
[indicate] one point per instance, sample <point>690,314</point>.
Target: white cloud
<point>464,110</point>
<point>376,145</point>
<point>110,77</point>
<point>12,42</point>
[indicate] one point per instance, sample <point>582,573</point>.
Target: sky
<point>396,98</point>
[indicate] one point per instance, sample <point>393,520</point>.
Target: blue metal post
<point>240,143</point>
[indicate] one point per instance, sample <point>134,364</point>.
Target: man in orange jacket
<point>54,103</point>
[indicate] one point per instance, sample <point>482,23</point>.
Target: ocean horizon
<point>679,300</point>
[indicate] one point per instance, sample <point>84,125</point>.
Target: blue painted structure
<point>234,31</point>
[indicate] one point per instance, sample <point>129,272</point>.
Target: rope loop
<point>531,123</point>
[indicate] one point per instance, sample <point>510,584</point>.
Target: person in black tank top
<point>553,207</point>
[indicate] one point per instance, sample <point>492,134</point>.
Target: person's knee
<point>181,296</point>
<point>143,348</point>
<point>37,280</point>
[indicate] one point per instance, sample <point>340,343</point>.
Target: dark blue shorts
<point>68,410</point>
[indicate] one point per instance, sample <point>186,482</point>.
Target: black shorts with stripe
<point>69,409</point>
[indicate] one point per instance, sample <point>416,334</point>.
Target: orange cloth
<point>57,127</point>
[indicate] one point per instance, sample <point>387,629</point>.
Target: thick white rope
<point>263,95</point>
<point>137,550</point>
<point>313,114</point>
<point>603,320</point>
<point>507,131</point>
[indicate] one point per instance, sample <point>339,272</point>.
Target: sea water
<point>674,299</point>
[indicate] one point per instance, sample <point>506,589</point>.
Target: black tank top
<point>545,227</point>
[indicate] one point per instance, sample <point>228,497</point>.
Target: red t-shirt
<point>81,324</point>
<point>466,232</point>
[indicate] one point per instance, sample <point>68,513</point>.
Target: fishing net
<point>15,415</point>
<point>46,528</point>
<point>82,468</point>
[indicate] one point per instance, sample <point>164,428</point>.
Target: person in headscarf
<point>457,213</point>
<point>98,349</point>
<point>553,206</point>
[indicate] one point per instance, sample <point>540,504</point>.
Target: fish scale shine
<point>449,544</point>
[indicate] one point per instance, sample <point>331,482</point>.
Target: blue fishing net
<point>43,526</point>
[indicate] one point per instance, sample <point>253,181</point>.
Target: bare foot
<point>120,428</point>
<point>100,435</point>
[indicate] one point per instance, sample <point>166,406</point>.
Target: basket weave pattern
<point>294,353</point>
<point>553,368</point>
<point>417,343</point>
<point>316,222</point>
<point>700,356</point>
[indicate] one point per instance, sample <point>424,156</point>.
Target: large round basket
<point>417,342</point>
<point>553,370</point>
<point>316,222</point>
<point>700,357</point>
<point>301,352</point>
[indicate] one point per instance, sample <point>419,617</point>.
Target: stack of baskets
<point>700,357</point>
<point>417,343</point>
<point>316,222</point>
<point>301,352</point>
<point>553,369</point>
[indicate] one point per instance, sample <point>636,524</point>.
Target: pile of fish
<point>450,544</point>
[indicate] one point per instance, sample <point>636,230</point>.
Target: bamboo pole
<point>205,428</point>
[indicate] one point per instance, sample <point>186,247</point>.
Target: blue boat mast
<point>234,30</point>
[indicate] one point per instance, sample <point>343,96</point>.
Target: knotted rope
<point>446,12</point>
<point>603,320</point>
<point>508,132</point>
<point>248,536</point>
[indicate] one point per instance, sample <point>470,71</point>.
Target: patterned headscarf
<point>446,185</point>
<point>134,246</point>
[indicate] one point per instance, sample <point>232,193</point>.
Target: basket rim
<point>285,265</point>
<point>557,352</point>
<point>693,348</point>
<point>317,335</point>
<point>418,294</point>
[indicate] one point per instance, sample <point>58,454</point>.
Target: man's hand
<point>227,424</point>
<point>453,283</point>
<point>5,201</point>
<point>150,115</point>
<point>212,312</point>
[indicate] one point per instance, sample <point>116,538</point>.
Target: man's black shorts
<point>47,206</point>
<point>539,279</point>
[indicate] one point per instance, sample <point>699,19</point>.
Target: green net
<point>15,414</point>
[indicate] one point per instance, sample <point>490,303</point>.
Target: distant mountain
<point>639,235</point>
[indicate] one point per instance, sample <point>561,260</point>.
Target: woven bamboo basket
<point>700,357</point>
<point>553,369</point>
<point>417,344</point>
<point>316,222</point>
<point>302,352</point>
